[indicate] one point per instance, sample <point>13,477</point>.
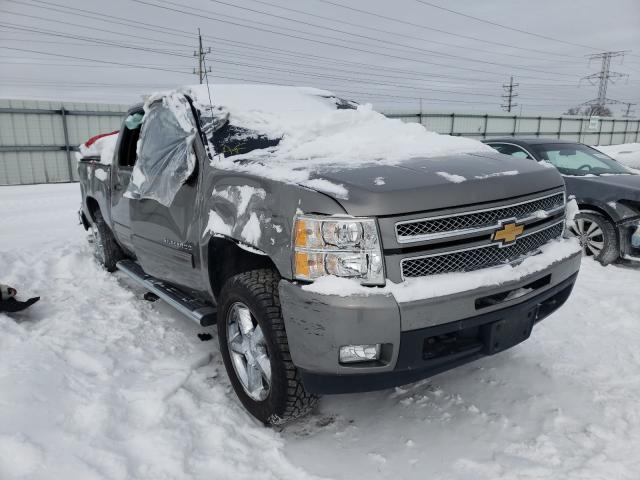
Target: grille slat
<point>474,259</point>
<point>406,230</point>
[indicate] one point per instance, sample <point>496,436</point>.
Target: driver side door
<point>165,232</point>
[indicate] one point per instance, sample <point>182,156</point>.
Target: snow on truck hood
<point>318,132</point>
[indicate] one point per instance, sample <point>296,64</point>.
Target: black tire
<point>105,248</point>
<point>602,243</point>
<point>286,398</point>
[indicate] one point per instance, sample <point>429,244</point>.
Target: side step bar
<point>197,310</point>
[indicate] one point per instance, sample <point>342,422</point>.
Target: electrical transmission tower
<point>509,95</point>
<point>201,53</point>
<point>629,112</point>
<point>602,79</point>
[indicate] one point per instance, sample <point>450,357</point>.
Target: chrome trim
<point>465,231</point>
<point>486,245</point>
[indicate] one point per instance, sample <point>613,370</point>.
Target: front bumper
<point>420,338</point>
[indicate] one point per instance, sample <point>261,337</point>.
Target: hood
<point>421,184</point>
<point>629,181</point>
<point>606,187</point>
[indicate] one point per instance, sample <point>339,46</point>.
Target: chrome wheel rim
<point>248,351</point>
<point>590,235</point>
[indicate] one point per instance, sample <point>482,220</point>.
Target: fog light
<point>359,353</point>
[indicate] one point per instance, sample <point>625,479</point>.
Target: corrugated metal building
<point>38,138</point>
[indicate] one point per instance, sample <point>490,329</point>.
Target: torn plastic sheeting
<point>165,154</point>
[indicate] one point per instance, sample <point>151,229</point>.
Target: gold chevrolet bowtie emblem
<point>508,233</point>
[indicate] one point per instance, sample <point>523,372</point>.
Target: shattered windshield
<point>233,140</point>
<point>230,139</point>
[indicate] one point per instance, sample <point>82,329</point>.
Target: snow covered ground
<point>626,153</point>
<point>96,383</point>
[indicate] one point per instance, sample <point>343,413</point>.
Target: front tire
<point>597,236</point>
<point>255,350</point>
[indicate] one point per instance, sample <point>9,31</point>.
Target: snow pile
<point>316,135</point>
<point>104,147</point>
<point>627,153</point>
<point>497,174</point>
<point>452,177</point>
<point>432,286</point>
<point>97,384</point>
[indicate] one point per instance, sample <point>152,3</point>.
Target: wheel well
<point>92,207</point>
<point>227,259</point>
<point>586,207</point>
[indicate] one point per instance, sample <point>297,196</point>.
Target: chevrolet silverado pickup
<point>336,250</point>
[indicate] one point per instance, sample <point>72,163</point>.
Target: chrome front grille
<point>452,225</point>
<point>479,257</point>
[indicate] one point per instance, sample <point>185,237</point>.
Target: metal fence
<point>37,139</point>
<point>592,131</point>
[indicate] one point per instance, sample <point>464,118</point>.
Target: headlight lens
<point>344,247</point>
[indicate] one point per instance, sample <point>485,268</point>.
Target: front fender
<point>257,213</point>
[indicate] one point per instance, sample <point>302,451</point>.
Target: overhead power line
<point>496,24</point>
<point>271,67</point>
<point>402,34</point>
<point>109,62</point>
<point>351,33</point>
<point>372,52</point>
<point>165,30</point>
<point>253,65</point>
<point>424,27</point>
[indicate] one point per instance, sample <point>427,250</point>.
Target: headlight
<point>344,247</point>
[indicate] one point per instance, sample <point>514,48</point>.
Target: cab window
<point>130,134</point>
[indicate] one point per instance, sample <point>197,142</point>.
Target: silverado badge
<point>508,233</point>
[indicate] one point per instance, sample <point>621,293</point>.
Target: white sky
<point>390,63</point>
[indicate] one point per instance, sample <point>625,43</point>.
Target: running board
<point>200,312</point>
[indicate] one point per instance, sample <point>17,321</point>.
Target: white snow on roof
<point>315,134</point>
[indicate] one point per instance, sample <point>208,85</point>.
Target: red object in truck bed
<point>92,140</point>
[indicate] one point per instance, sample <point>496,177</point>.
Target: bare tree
<point>589,111</point>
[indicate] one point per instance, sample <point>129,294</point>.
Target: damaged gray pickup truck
<point>337,250</point>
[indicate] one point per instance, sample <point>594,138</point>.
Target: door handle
<point>117,186</point>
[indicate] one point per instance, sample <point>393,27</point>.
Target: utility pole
<point>509,95</point>
<point>629,113</point>
<point>602,79</point>
<point>201,53</point>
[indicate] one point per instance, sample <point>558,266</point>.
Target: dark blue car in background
<point>607,193</point>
